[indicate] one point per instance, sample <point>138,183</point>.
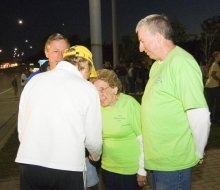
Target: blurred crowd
<point>133,76</point>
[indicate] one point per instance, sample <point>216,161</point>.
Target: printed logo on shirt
<point>158,80</point>
<point>119,118</point>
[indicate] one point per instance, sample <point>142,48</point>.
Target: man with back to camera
<point>174,113</point>
<point>54,49</point>
<point>57,120</point>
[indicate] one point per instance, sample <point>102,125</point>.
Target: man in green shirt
<point>174,114</point>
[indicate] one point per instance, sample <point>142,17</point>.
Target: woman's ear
<point>115,90</point>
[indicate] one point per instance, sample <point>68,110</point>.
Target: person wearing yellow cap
<point>78,55</point>
<point>82,57</point>
<point>59,116</point>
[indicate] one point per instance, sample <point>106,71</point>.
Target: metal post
<point>96,33</point>
<point>114,33</point>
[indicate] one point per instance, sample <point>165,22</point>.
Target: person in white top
<point>59,116</point>
<point>23,79</point>
<point>212,86</point>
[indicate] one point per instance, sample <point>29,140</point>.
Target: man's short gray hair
<point>156,23</point>
<point>54,37</point>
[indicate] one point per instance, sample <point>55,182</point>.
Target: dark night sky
<point>41,18</point>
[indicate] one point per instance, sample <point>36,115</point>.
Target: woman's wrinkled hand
<point>142,180</point>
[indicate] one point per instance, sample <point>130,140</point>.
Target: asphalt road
<point>8,103</point>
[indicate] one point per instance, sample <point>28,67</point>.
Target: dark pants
<point>139,86</point>
<point>213,95</point>
<point>131,85</point>
<point>114,181</point>
<point>40,178</point>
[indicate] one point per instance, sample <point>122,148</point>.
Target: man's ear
<point>46,53</point>
<point>159,37</point>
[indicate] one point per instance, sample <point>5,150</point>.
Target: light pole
<point>96,32</point>
<point>114,33</point>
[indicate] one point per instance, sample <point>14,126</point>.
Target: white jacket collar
<point>68,67</point>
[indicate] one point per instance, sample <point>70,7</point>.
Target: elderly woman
<point>122,158</point>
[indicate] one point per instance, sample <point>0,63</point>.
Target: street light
<point>0,54</point>
<point>63,29</point>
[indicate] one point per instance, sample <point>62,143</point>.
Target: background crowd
<point>133,76</point>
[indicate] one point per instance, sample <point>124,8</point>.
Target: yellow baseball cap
<point>81,51</point>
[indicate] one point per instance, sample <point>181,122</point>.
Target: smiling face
<point>148,43</point>
<point>107,94</point>
<point>54,53</point>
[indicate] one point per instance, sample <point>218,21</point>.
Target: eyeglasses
<point>103,90</point>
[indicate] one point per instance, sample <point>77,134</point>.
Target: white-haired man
<point>174,112</point>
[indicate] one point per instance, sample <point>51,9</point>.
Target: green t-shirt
<point>175,86</point>
<point>121,126</point>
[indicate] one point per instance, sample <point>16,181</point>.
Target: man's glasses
<point>103,90</point>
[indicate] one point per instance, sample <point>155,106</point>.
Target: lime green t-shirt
<point>175,86</point>
<point>121,126</point>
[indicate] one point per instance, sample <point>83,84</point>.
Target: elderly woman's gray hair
<point>108,76</point>
<point>156,23</point>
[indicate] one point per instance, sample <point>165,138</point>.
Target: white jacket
<point>59,115</point>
